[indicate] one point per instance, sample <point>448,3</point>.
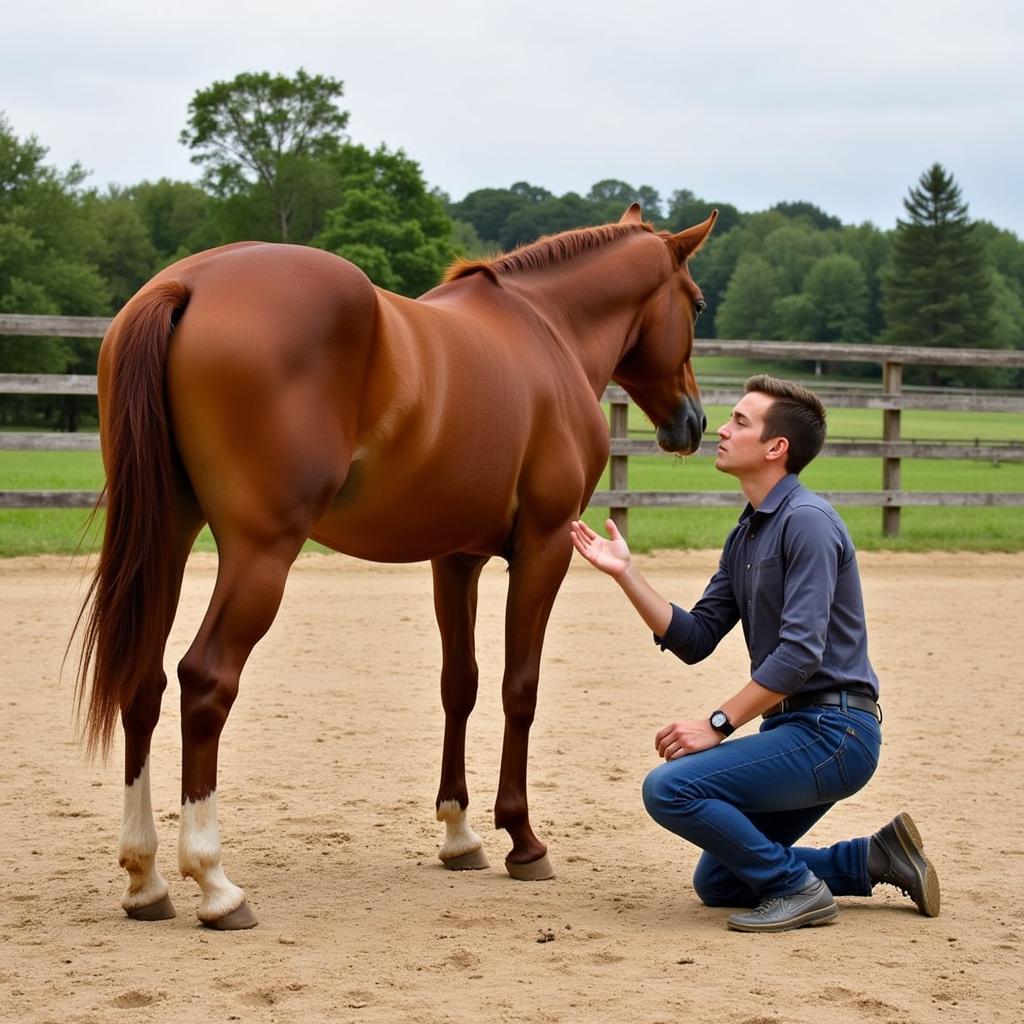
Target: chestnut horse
<point>273,392</point>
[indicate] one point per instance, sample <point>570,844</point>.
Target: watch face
<point>718,719</point>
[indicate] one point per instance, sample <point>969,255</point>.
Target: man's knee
<point>664,795</point>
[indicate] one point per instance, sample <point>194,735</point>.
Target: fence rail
<point>890,400</point>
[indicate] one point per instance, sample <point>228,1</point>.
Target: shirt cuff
<point>680,629</point>
<point>775,674</point>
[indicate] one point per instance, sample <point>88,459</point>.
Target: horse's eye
<point>700,305</point>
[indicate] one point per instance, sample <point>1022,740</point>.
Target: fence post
<point>619,464</point>
<point>892,385</point>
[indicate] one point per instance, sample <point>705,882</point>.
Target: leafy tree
<point>126,256</point>
<point>685,209</point>
<point>870,248</point>
<point>489,209</point>
<point>556,213</point>
<point>1005,253</point>
<point>268,133</point>
<point>792,250</point>
<point>49,243</point>
<point>810,213</point>
<point>613,197</point>
<point>388,223</point>
<point>838,295</point>
<point>938,290</point>
<point>716,262</point>
<point>179,217</point>
<point>747,307</point>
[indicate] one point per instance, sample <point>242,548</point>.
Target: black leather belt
<point>826,699</point>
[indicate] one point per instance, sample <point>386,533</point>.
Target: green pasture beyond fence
<point>889,402</point>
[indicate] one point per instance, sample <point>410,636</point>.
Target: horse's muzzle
<point>685,430</point>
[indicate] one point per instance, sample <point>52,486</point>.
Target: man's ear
<point>778,450</point>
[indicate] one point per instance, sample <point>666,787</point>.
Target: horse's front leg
<point>535,574</point>
<point>455,598</point>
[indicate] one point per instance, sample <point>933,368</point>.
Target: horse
<point>273,392</point>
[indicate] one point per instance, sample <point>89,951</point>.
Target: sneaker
<point>813,905</point>
<point>908,868</point>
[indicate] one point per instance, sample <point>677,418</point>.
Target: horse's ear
<point>687,242</point>
<point>634,215</point>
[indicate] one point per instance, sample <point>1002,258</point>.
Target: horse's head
<point>656,370</point>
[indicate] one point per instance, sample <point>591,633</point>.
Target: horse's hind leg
<point>250,583</point>
<point>455,598</point>
<point>146,897</point>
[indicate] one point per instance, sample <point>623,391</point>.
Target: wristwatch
<point>720,723</point>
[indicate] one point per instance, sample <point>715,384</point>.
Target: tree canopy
<point>267,131</point>
<point>277,165</point>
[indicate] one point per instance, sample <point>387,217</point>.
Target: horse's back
<point>264,375</point>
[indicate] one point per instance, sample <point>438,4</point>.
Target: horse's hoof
<point>162,910</point>
<point>535,871</point>
<point>238,919</point>
<point>475,860</point>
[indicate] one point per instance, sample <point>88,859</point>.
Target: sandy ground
<point>328,774</point>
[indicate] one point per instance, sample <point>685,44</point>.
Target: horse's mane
<point>546,252</point>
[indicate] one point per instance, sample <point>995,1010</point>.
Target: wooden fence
<point>891,399</point>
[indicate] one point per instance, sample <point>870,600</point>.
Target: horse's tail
<point>126,609</point>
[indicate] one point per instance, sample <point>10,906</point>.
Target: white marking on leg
<point>459,838</point>
<point>136,852</point>
<point>199,858</point>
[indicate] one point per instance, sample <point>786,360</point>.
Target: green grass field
<point>59,531</point>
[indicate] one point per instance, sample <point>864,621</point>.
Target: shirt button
<point>748,566</point>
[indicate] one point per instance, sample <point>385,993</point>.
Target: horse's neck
<point>595,303</point>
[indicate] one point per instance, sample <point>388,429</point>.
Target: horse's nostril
<point>703,424</point>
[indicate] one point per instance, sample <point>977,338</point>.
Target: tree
<point>549,216</point>
<point>126,256</point>
<point>747,306</point>
<point>814,215</point>
<point>685,209</point>
<point>49,244</point>
<point>388,223</point>
<point>838,296</point>
<point>792,250</point>
<point>179,217</point>
<point>938,291</point>
<point>266,133</point>
<point>613,198</point>
<point>869,246</point>
<point>489,209</point>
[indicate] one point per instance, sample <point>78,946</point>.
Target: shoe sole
<point>813,918</point>
<point>928,881</point>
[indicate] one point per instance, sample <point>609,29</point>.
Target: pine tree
<point>938,291</point>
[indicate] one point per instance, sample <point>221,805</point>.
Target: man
<point>789,574</point>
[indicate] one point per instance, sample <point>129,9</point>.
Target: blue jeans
<point>746,801</point>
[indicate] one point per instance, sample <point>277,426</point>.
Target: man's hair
<point>795,414</point>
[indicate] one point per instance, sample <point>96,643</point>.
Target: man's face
<point>741,450</point>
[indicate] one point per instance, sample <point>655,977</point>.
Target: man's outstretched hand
<point>610,555</point>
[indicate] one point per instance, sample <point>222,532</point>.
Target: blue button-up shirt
<point>789,573</point>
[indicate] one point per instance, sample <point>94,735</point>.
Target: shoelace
<point>767,906</point>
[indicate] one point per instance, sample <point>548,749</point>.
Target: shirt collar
<point>775,497</point>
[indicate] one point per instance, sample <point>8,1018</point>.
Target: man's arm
<point>688,737</point>
<point>612,557</point>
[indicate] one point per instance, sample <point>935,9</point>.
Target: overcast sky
<point>840,104</point>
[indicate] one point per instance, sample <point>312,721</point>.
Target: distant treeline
<point>278,166</point>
